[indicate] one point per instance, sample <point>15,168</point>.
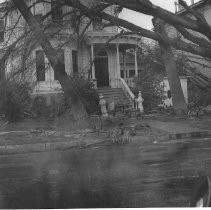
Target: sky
<point>145,20</point>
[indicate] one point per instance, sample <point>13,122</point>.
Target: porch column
<point>136,63</point>
<point>92,61</point>
<point>118,61</point>
<point>124,64</point>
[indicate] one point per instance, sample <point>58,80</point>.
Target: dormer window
<point>56,9</point>
<point>97,24</point>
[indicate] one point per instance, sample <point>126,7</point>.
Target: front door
<point>101,69</point>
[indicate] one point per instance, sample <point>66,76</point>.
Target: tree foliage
<point>15,99</point>
<point>150,84</point>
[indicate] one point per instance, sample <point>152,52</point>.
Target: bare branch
<point>195,39</point>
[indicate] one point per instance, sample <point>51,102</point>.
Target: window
<point>1,30</point>
<point>40,65</point>
<point>131,73</point>
<point>122,73</point>
<point>56,11</point>
<point>169,94</point>
<point>60,64</point>
<point>75,61</point>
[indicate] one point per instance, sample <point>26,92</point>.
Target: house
<point>130,66</point>
<point>63,27</point>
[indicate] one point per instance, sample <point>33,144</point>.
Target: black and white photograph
<point>105,104</point>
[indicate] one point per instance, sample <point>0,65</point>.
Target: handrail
<point>127,91</point>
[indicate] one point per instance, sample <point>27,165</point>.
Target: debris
<point>6,123</point>
<point>121,135</point>
<point>42,132</point>
<point>207,109</point>
<point>35,131</point>
<point>141,126</point>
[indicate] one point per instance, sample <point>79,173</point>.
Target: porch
<point>107,56</point>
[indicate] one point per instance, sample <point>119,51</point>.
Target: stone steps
<point>114,95</point>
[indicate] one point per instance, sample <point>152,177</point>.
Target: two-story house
<point>63,28</point>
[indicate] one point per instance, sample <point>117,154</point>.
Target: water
<point>100,177</point>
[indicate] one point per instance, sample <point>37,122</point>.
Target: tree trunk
<point>51,54</point>
<point>178,98</point>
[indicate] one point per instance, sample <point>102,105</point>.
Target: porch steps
<point>113,95</point>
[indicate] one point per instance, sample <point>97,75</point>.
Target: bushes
<point>39,107</point>
<point>79,89</point>
<point>83,89</point>
<point>199,96</point>
<point>149,83</point>
<point>15,99</point>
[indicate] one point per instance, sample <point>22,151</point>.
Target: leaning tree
<point>194,30</point>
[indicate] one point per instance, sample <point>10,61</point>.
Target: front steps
<point>115,95</point>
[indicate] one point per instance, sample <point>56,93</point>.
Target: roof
<point>199,79</point>
<point>196,5</point>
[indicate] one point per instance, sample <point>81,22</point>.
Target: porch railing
<point>127,91</point>
<point>129,81</point>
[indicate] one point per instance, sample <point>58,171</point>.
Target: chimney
<point>180,7</point>
<point>176,6</point>
<point>192,1</point>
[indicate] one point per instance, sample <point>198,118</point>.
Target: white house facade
<point>96,45</point>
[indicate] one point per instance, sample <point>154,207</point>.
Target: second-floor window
<point>97,24</point>
<point>1,30</point>
<point>56,11</point>
<point>40,65</point>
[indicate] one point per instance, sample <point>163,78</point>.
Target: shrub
<point>15,99</point>
<point>39,106</point>
<point>79,88</point>
<point>83,89</point>
<point>149,83</point>
<point>199,96</point>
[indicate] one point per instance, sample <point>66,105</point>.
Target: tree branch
<point>195,39</point>
<point>197,15</point>
<point>178,44</point>
<point>146,7</point>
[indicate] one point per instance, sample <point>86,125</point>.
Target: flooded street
<point>159,175</point>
